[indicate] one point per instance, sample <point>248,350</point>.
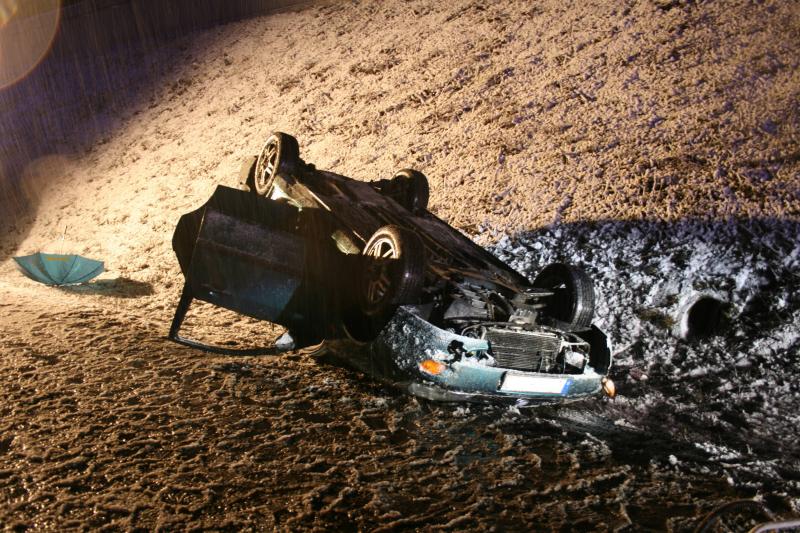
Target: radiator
<point>523,350</point>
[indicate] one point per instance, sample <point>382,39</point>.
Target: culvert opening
<point>706,317</point>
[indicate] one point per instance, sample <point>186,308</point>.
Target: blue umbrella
<point>59,269</point>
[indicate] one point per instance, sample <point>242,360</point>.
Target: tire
<point>573,300</point>
<point>410,189</point>
<point>393,271</point>
<point>280,156</point>
<point>247,174</point>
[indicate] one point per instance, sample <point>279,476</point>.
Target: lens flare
<point>27,29</point>
<point>8,8</point>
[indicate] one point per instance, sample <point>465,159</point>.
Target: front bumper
<point>408,340</point>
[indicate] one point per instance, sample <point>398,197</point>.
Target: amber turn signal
<point>609,388</point>
<point>432,367</point>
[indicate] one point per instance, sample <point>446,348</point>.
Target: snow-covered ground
<point>732,392</point>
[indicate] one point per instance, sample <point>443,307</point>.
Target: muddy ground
<point>654,143</point>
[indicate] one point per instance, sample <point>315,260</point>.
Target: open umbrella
<point>59,269</point>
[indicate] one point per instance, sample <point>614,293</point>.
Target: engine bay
<point>516,326</point>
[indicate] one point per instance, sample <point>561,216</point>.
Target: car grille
<point>528,350</point>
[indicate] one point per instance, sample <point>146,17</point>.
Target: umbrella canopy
<point>58,269</point>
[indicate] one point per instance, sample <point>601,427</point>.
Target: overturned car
<point>363,272</point>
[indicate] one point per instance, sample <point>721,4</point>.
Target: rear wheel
<point>572,301</point>
<point>394,270</point>
<point>410,189</point>
<point>280,156</point>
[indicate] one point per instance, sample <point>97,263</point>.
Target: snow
<point>743,377</point>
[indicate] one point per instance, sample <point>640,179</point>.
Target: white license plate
<point>544,385</point>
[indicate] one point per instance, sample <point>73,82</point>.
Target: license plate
<point>540,384</point>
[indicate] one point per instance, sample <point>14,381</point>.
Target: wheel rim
<point>378,280</point>
<point>265,167</point>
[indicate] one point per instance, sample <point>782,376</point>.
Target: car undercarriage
<point>363,269</point>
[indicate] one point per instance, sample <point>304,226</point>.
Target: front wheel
<point>573,298</point>
<point>394,270</point>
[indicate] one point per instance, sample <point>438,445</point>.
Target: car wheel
<point>394,269</point>
<point>572,301</point>
<point>280,155</point>
<point>410,189</point>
